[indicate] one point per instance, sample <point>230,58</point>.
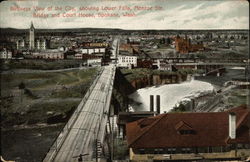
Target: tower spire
<point>31,25</point>
<point>32,37</point>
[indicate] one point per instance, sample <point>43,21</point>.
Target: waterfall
<point>171,94</point>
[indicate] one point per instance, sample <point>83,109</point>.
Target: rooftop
<point>188,129</point>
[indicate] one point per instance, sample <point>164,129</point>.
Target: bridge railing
<point>62,136</point>
<point>101,131</point>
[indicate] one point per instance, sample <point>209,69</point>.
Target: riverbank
<point>34,108</point>
<point>39,64</point>
<point>30,98</point>
<point>143,77</point>
<point>226,96</point>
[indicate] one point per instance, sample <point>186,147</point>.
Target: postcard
<point>116,80</point>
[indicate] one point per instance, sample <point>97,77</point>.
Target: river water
<point>173,94</point>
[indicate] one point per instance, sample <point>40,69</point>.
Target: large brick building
<point>131,48</point>
<point>191,136</point>
<point>184,45</point>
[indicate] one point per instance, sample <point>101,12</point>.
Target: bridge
<point>83,136</point>
<point>87,125</point>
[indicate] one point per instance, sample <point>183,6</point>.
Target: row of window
<point>128,61</point>
<point>192,150</point>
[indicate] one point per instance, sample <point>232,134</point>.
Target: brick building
<point>191,136</point>
<point>184,45</point>
<point>131,48</point>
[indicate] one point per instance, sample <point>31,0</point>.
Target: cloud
<point>193,14</point>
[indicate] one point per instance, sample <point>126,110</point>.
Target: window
<point>158,151</point>
<point>141,151</point>
<point>185,132</point>
<point>186,150</point>
<point>210,149</point>
<point>171,150</point>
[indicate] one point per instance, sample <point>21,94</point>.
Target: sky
<point>165,14</point>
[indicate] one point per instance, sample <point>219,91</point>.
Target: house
<point>191,136</point>
<point>5,54</point>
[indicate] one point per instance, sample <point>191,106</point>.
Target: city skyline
<point>175,15</point>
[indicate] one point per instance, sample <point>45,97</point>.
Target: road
<point>84,127</point>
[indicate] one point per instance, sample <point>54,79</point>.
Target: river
<point>173,94</point>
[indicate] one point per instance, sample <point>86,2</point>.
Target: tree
<point>168,41</point>
<point>21,85</point>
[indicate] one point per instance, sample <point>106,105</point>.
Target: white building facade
<point>94,62</point>
<point>92,50</point>
<point>5,54</point>
<point>127,61</point>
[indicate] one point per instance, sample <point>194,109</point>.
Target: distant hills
<point>97,30</point>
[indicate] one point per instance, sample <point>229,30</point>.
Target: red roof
<point>208,129</point>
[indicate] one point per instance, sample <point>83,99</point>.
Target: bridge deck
<point>83,132</point>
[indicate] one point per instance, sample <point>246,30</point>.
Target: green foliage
<point>132,74</point>
<point>201,56</point>
<point>180,108</point>
<point>120,149</point>
<point>38,88</point>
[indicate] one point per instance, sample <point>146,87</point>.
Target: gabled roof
<point>211,129</point>
<point>183,126</point>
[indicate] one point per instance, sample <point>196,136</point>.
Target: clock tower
<point>32,37</point>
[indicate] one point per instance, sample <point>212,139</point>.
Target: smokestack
<point>192,105</point>
<point>158,104</point>
<point>151,103</point>
<point>232,125</point>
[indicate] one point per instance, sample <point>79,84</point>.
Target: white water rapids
<point>171,94</point>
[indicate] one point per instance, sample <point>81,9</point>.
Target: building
<point>41,44</point>
<point>144,63</point>
<point>32,43</point>
<point>20,44</point>
<point>79,56</point>
<point>93,50</point>
<point>5,54</point>
<point>191,136</point>
<point>94,44</point>
<point>94,61</point>
<point>89,60</point>
<point>54,55</point>
<point>184,45</point>
<point>131,48</point>
<point>32,37</point>
<point>162,65</point>
<point>127,61</point>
